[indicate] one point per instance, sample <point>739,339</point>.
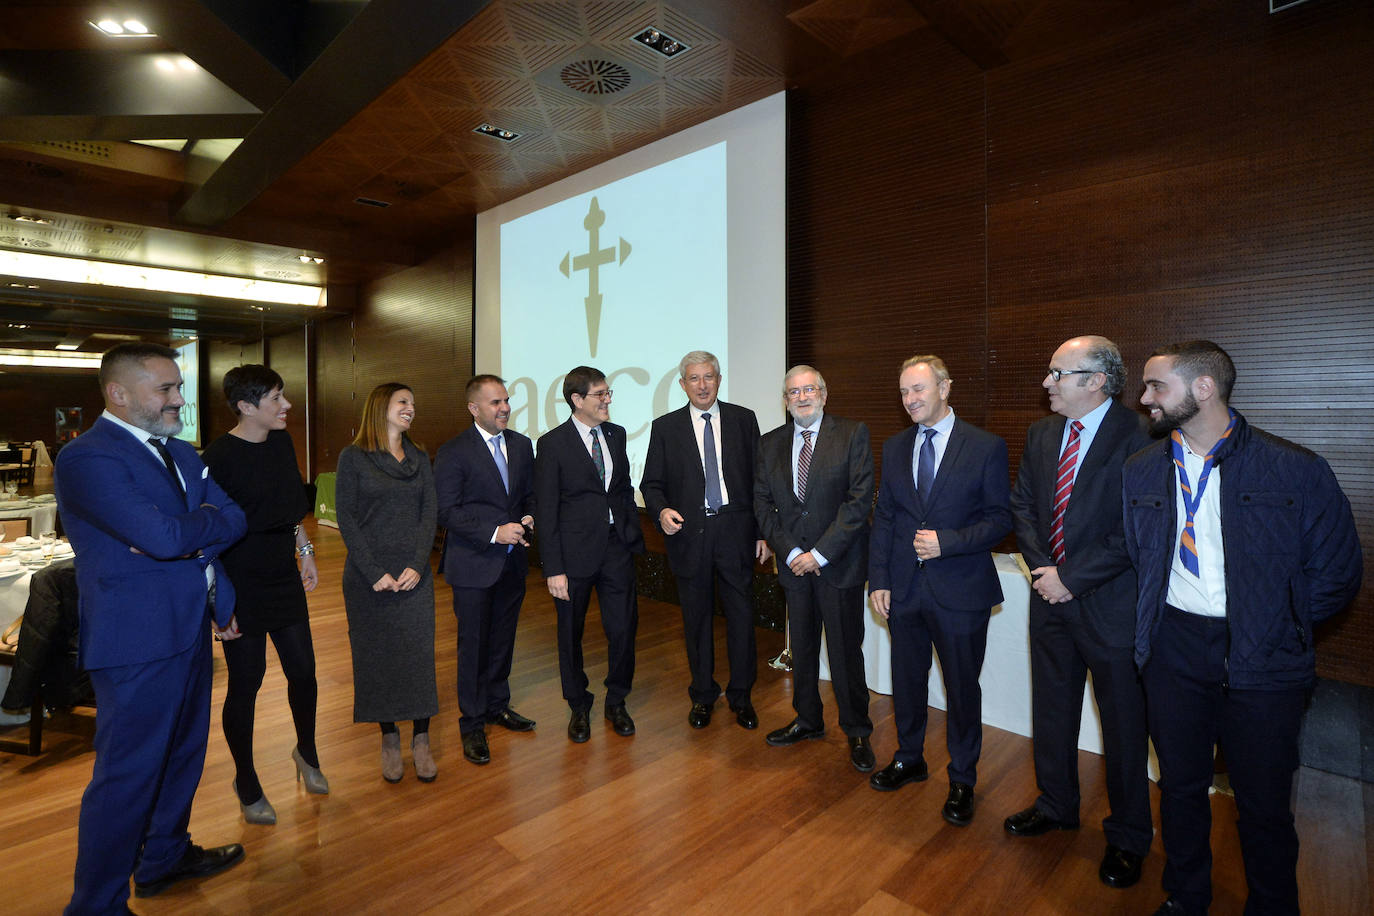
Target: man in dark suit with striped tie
<point>941,509</point>
<point>813,489</point>
<point>588,531</point>
<point>1067,504</point>
<point>484,479</point>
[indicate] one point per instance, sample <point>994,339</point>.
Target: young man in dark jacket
<point>1242,541</point>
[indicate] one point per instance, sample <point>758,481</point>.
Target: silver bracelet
<point>305,550</point>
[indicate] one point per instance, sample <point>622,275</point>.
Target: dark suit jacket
<point>473,502</point>
<point>967,509</point>
<point>114,493</point>
<point>572,505</point>
<point>674,477</point>
<point>1096,567</point>
<point>839,495</point>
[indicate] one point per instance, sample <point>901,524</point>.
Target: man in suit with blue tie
<point>484,478</point>
<point>147,522</point>
<point>698,486</point>
<point>1067,504</point>
<point>813,490</point>
<point>588,533</point>
<point>942,507</point>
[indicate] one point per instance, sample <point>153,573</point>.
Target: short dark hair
<point>1195,358</point>
<point>249,383</point>
<point>122,356</point>
<point>579,381</point>
<point>475,384</point>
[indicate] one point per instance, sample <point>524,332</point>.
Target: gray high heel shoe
<point>260,812</point>
<point>315,783</point>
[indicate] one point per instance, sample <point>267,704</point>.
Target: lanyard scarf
<point>1187,544</point>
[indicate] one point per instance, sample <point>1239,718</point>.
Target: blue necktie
<point>708,446</point>
<point>598,458</point>
<point>925,467</point>
<point>500,460</point>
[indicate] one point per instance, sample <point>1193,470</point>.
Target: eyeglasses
<point>601,395</point>
<point>807,390</point>
<point>1057,374</point>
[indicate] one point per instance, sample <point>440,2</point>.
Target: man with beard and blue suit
<point>147,522</point>
<point>942,507</point>
<point>484,481</point>
<point>588,533</point>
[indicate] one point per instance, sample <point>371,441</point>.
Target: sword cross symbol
<point>591,262</point>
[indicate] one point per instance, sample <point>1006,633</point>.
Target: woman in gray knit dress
<point>387,516</point>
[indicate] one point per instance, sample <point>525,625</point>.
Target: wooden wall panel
<point>28,400</point>
<point>1207,172</point>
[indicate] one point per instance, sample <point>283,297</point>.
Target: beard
<point>157,423</point>
<point>1170,420</point>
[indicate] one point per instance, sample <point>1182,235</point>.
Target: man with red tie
<point>1242,542</point>
<point>1067,507</point>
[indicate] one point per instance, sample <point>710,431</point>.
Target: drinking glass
<point>11,487</point>
<point>48,542</point>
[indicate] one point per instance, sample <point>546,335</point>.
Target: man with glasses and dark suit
<point>588,533</point>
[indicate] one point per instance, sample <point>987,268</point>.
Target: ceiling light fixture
<point>663,44</point>
<point>497,132</point>
<point>50,359</point>
<point>157,279</point>
<point>130,28</point>
<point>38,220</point>
<point>309,258</point>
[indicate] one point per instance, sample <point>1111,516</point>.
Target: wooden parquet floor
<point>669,821</point>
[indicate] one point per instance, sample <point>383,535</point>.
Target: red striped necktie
<point>1063,486</point>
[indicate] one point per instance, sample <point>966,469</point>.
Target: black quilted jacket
<point>1292,554</point>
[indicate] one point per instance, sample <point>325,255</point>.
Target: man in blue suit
<point>588,533</point>
<point>147,522</point>
<point>484,478</point>
<point>942,507</point>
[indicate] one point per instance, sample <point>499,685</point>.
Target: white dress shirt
<point>699,427</point>
<point>1203,594</point>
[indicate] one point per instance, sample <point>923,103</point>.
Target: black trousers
<point>728,560</point>
<point>614,583</point>
<point>487,618</point>
<point>961,639</point>
<point>1189,712</point>
<point>1062,652</point>
<point>811,604</point>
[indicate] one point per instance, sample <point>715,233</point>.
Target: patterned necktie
<point>1187,542</point>
<point>1063,486</point>
<point>598,459</point>
<point>925,467</point>
<point>804,463</point>
<point>500,460</point>
<point>712,467</point>
<point>167,460</point>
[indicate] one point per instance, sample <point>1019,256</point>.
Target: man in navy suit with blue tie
<point>147,522</point>
<point>942,507</point>
<point>484,478</point>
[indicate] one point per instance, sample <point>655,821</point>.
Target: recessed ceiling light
<point>498,132</point>
<point>109,27</point>
<point>133,25</point>
<point>663,44</point>
<point>165,65</point>
<point>130,28</point>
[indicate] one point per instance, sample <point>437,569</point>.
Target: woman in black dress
<point>387,516</point>
<point>255,463</point>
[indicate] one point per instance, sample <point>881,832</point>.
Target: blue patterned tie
<point>598,459</point>
<point>708,446</point>
<point>925,467</point>
<point>500,460</point>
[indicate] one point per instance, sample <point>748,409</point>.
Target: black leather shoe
<point>745,716</point>
<point>1171,907</point>
<point>1119,867</point>
<point>620,720</point>
<point>861,755</point>
<point>509,718</point>
<point>793,732</point>
<point>475,747</point>
<point>195,863</point>
<point>1033,822</point>
<point>700,716</point>
<point>579,729</point>
<point>897,774</point>
<point>958,809</point>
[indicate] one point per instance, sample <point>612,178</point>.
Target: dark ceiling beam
<point>391,36</point>
<point>970,29</point>
<point>108,95</point>
<point>235,53</point>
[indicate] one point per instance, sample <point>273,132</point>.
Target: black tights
<point>421,726</point>
<point>246,659</point>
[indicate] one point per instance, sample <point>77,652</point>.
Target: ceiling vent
<point>590,74</point>
<point>595,77</point>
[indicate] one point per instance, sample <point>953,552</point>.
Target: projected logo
<point>591,261</point>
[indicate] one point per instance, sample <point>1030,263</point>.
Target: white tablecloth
<point>14,596</point>
<point>42,516</point>
<point>1006,668</point>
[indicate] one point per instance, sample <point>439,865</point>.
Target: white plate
<point>12,573</point>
